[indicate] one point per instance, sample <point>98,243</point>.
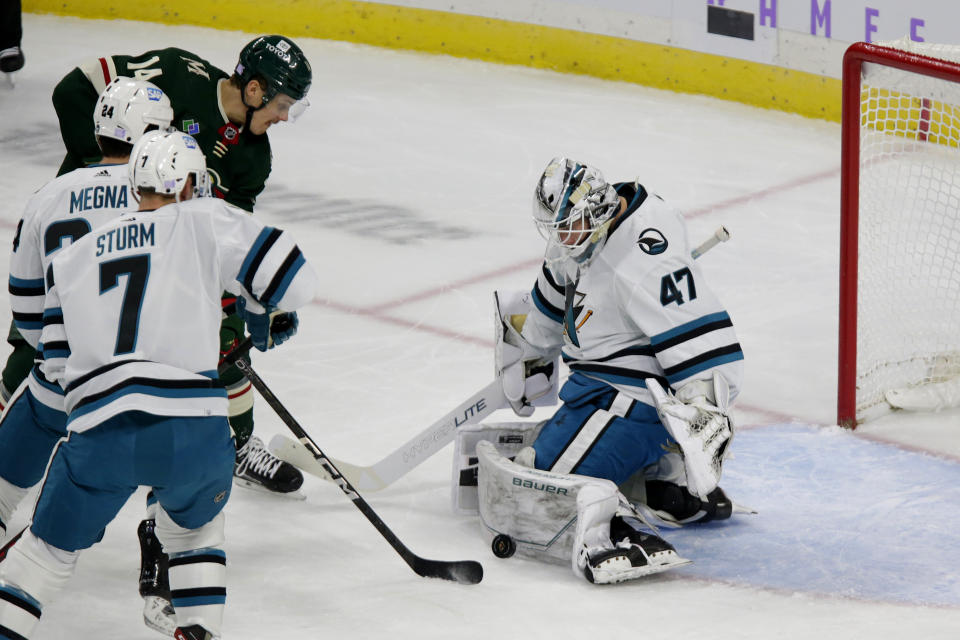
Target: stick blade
<point>463,571</point>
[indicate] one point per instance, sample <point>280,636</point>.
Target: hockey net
<point>900,230</point>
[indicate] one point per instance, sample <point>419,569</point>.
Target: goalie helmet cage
<point>899,309</point>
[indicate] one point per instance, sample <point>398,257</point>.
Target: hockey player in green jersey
<point>229,116</point>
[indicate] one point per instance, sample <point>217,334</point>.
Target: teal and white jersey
<point>642,308</point>
<point>60,213</point>
<point>132,313</point>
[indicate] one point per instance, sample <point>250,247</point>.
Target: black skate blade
<point>462,572</point>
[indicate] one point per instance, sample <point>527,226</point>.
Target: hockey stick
<point>12,541</point>
<point>397,464</point>
<point>432,439</point>
<point>720,235</point>
<point>462,571</point>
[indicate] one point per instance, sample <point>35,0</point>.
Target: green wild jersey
<point>238,161</point>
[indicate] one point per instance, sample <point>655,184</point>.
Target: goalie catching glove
<point>528,374</point>
<point>696,417</point>
<point>269,327</point>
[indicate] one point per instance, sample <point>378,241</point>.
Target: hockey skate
<point>11,60</point>
<point>256,468</point>
<point>193,632</point>
<point>158,613</point>
<point>636,553</point>
<point>675,504</point>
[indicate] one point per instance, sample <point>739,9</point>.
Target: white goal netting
<point>908,325</point>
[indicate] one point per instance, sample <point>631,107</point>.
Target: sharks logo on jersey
<point>652,241</point>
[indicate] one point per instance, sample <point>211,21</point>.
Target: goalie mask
<point>572,207</point>
<point>128,108</point>
<point>282,66</point>
<point>162,162</point>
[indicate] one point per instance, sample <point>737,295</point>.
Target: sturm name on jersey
<point>129,236</point>
<point>106,196</point>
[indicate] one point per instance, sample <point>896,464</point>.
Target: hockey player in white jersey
<point>131,328</point>
<point>60,213</point>
<point>654,364</point>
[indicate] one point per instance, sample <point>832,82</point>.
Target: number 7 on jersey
<point>137,270</point>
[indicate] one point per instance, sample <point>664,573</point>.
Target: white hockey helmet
<point>128,107</point>
<point>572,207</point>
<point>163,160</point>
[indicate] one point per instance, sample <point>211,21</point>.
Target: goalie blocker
<point>528,374</point>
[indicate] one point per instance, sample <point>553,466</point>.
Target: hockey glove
<point>526,373</point>
<point>270,328</point>
<point>697,419</point>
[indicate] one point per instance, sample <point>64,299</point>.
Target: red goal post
<point>899,329</point>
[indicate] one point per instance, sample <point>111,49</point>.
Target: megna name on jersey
<point>103,196</point>
<point>130,236</point>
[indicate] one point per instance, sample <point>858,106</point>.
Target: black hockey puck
<point>503,546</point>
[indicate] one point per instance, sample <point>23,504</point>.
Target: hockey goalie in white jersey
<point>131,331</point>
<point>654,364</point>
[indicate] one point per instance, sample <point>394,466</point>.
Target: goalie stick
<point>720,235</point>
<point>462,571</point>
<point>432,439</point>
<point>420,447</point>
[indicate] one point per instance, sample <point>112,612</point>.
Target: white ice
<point>408,184</point>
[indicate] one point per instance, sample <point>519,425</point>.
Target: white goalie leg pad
<point>615,543</point>
<point>700,425</point>
<point>31,576</point>
<point>596,506</point>
<point>536,509</point>
<point>508,438</point>
<point>197,571</point>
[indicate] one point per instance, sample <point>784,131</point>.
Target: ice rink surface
<point>408,184</point>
